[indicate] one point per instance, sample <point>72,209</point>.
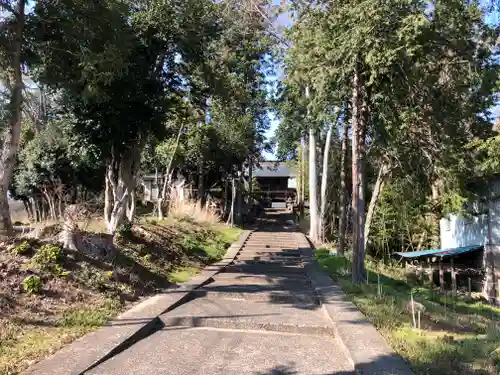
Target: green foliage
<point>255,185</point>
<point>401,221</point>
<point>125,229</point>
<point>448,341</point>
<point>426,97</point>
<point>47,255</point>
<point>23,248</point>
<point>90,317</point>
<point>47,258</point>
<point>32,284</point>
<point>56,157</point>
<point>488,151</point>
<point>191,245</point>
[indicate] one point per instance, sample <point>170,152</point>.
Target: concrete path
<point>261,317</point>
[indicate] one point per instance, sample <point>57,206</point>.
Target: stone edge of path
<point>365,348</point>
<point>129,327</point>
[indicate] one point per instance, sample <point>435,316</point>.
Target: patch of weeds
<point>47,258</point>
<point>456,337</point>
<point>22,249</point>
<point>191,246</point>
<point>182,274</point>
<point>124,231</point>
<point>229,235</point>
<point>140,247</point>
<point>89,316</point>
<point>32,284</point>
<point>28,344</point>
<point>47,255</point>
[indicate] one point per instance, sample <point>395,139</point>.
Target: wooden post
<point>431,272</point>
<point>453,278</point>
<point>470,287</point>
<point>413,310</point>
<point>441,275</point>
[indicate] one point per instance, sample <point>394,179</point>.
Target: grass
<point>456,336</point>
<point>23,344</point>
<point>80,293</point>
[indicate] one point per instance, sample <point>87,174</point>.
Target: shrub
<point>22,248</point>
<point>190,245</point>
<point>32,284</point>
<point>125,229</point>
<point>47,256</point>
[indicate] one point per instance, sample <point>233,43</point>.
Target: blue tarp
<point>440,252</point>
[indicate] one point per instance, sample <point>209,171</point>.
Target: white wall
<point>457,231</point>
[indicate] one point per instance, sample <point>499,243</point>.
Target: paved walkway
<point>261,317</point>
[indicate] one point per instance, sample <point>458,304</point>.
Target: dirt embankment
<point>49,296</point>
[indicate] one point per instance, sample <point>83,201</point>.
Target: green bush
<point>22,248</point>
<point>190,245</point>
<point>32,284</point>
<point>124,230</point>
<point>47,256</point>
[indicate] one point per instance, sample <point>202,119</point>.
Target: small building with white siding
<point>479,227</point>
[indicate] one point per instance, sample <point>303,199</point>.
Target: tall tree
<point>12,32</point>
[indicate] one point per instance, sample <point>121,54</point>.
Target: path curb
<point>129,327</point>
<point>365,348</point>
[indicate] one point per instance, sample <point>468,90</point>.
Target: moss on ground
<point>80,293</point>
<point>456,336</point>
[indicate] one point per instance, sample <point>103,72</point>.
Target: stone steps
<point>252,315</point>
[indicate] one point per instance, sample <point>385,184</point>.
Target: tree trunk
<point>226,197</point>
<point>12,132</point>
<point>53,211</point>
<point>313,182</point>
<point>201,187</point>
<point>357,183</point>
<point>36,209</point>
<point>27,208</point>
<point>74,194</point>
<point>343,190</point>
<point>108,196</point>
<point>121,176</point>
<point>324,178</point>
<point>60,210</point>
<point>164,198</point>
<point>377,189</point>
<point>303,176</point>
<point>49,203</point>
<point>230,220</point>
<point>43,210</point>
<point>239,198</point>
<point>313,196</point>
<point>131,207</point>
<point>250,182</point>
